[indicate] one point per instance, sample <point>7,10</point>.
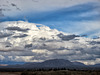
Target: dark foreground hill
<point>52,64</point>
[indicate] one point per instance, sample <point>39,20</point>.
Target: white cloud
<point>44,43</point>
<point>65,52</point>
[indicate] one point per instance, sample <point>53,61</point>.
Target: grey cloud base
<point>37,44</point>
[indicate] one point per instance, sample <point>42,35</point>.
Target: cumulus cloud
<point>28,42</point>
<point>43,43</point>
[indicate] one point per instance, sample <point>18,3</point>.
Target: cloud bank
<point>40,43</point>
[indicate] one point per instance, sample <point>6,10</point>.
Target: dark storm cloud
<point>94,50</point>
<point>28,45</point>
<point>66,37</point>
<point>94,42</point>
<point>13,4</point>
<point>20,36</point>
<point>17,29</point>
<point>4,35</point>
<point>11,49</point>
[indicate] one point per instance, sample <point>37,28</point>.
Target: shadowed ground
<point>10,73</point>
<point>60,72</point>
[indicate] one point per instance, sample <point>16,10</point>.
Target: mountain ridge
<point>54,63</point>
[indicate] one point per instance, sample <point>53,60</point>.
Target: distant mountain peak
<point>57,61</point>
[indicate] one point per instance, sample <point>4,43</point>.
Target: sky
<point>71,16</point>
<point>22,42</point>
<point>78,17</point>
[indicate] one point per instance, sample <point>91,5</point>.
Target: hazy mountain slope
<point>53,63</point>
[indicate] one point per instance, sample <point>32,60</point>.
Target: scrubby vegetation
<point>54,71</point>
<point>61,72</point>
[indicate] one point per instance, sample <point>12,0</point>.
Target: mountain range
<point>54,63</point>
<point>35,31</point>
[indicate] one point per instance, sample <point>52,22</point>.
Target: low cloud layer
<point>42,43</point>
<point>17,29</point>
